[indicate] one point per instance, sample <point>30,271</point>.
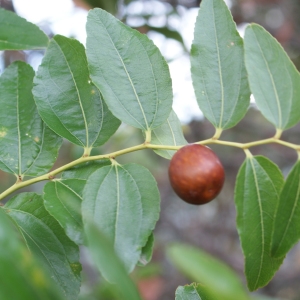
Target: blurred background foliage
<point>210,227</point>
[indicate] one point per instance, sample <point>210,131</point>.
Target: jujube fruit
<point>196,174</point>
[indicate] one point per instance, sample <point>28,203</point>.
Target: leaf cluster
<point>83,94</point>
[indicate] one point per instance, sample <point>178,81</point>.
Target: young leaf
<point>63,197</point>
<point>109,264</point>
<point>286,225</point>
<point>123,201</point>
<point>21,276</point>
<point>273,78</point>
<point>67,100</point>
<point>18,34</point>
<point>169,133</point>
<point>217,66</point>
<point>147,252</point>
<point>129,70</point>
<point>27,145</point>
<point>257,191</point>
<point>219,280</point>
<point>47,241</point>
<point>188,292</point>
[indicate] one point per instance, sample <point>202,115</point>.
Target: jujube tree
<point>82,94</point>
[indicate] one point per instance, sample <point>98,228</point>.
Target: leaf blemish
<point>3,132</point>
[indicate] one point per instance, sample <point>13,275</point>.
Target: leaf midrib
<point>261,221</point>
<point>129,78</point>
<point>220,71</point>
<point>78,93</point>
<point>272,81</point>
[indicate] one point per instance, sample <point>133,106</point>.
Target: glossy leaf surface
<point>217,66</point>
<point>123,201</point>
<point>21,276</point>
<point>258,186</point>
<point>109,264</point>
<point>18,34</point>
<point>273,78</point>
<point>47,241</point>
<point>188,292</point>
<point>219,280</point>
<point>169,133</point>
<point>66,98</point>
<point>129,70</point>
<point>27,146</point>
<point>63,198</point>
<point>286,227</point>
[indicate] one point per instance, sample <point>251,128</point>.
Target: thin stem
<point>148,136</point>
<point>217,134</point>
<point>85,158</point>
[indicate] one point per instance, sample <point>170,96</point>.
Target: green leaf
<point>147,252</point>
<point>170,133</point>
<point>18,34</point>
<point>286,225</point>
<point>21,276</point>
<point>219,280</point>
<point>67,100</point>
<point>63,198</point>
<point>129,70</point>
<point>123,201</point>
<point>257,191</point>
<point>64,204</point>
<point>273,78</point>
<point>47,241</point>
<point>83,171</point>
<point>27,145</point>
<point>168,33</point>
<point>217,66</point>
<point>188,292</point>
<point>110,6</point>
<point>109,264</point>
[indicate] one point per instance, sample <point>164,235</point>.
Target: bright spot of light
<point>37,11</point>
<point>62,17</point>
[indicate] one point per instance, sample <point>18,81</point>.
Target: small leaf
<point>47,241</point>
<point>147,252</point>
<point>258,186</point>
<point>286,225</point>
<point>217,66</point>
<point>63,198</point>
<point>110,6</point>
<point>18,34</point>
<point>188,292</point>
<point>219,280</point>
<point>109,264</point>
<point>168,33</point>
<point>169,133</point>
<point>273,78</point>
<point>129,70</point>
<point>27,145</point>
<point>123,201</point>
<point>67,100</point>
<point>21,276</point>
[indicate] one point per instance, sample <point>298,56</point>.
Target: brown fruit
<point>196,174</point>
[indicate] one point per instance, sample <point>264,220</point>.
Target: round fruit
<point>196,174</point>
